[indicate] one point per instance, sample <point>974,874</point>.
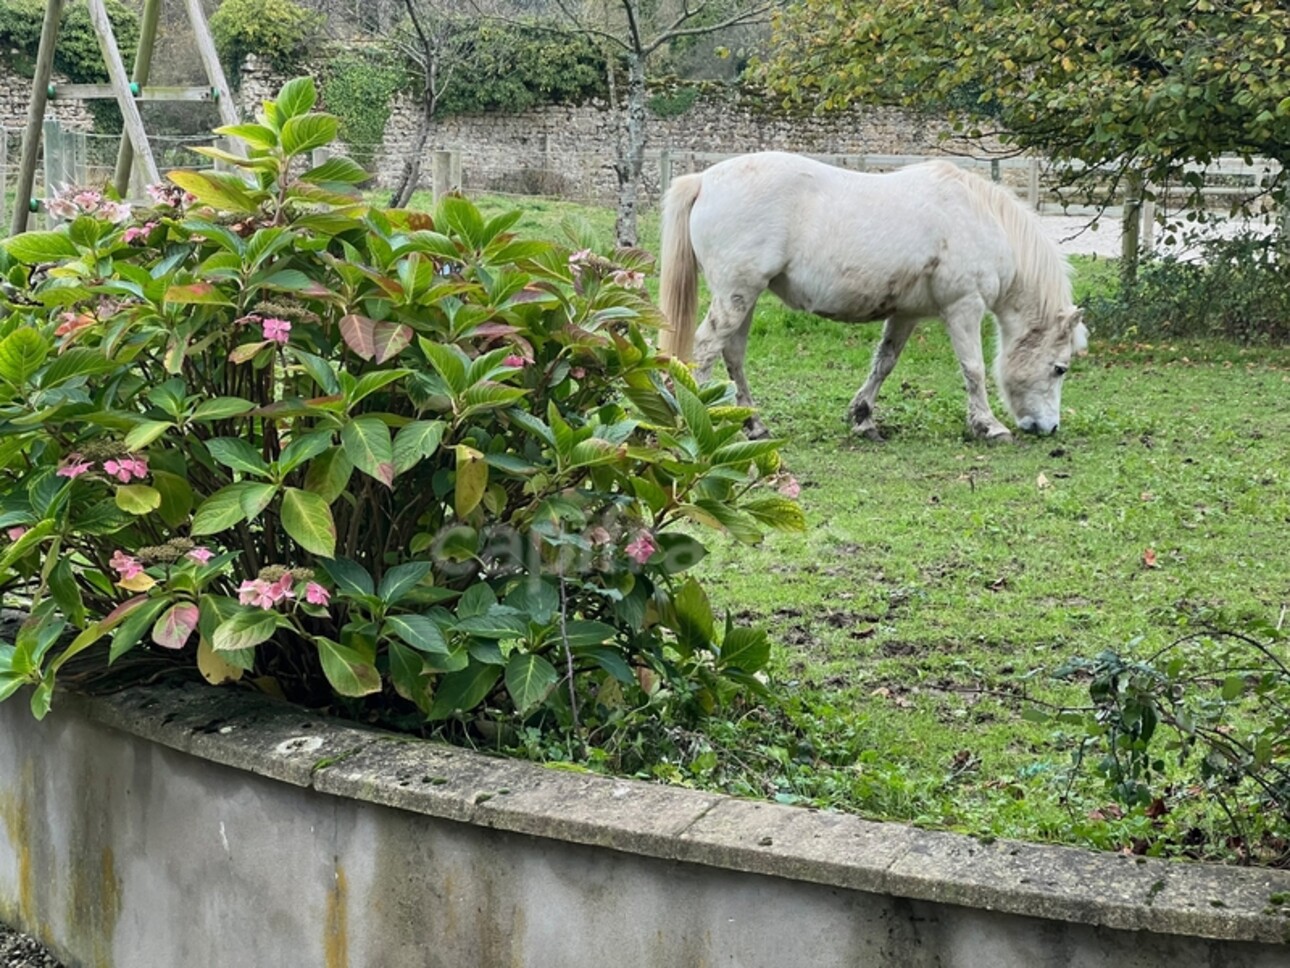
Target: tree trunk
<point>631,161</point>
<point>410,177</point>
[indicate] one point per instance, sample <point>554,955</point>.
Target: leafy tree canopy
<point>1148,84</point>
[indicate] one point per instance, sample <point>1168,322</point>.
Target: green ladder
<point>125,89</point>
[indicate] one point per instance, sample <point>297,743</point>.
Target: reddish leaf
<point>121,611</point>
<point>359,335</point>
<point>390,339</point>
<point>175,626</point>
<point>1149,558</point>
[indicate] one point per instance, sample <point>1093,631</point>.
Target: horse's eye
<point>1060,370</point>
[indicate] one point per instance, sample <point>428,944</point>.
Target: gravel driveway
<point>19,951</point>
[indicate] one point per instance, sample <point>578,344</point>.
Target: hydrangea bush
<point>365,458</point>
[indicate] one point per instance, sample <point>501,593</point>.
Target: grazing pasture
<point>943,580</point>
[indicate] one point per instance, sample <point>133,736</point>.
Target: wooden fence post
<point>440,173</point>
<point>664,171</point>
<point>1032,184</point>
<point>1131,227</point>
<point>1148,218</point>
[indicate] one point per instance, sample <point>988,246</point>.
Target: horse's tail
<point>679,286</point>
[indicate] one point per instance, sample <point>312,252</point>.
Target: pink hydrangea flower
<point>115,212</point>
<point>283,588</point>
<point>515,360</point>
<point>315,594</point>
<point>629,279</point>
<point>201,554</point>
<point>790,488</point>
<point>126,469</point>
<point>125,565</point>
<point>255,591</point>
<point>136,233</point>
<point>16,532</point>
<point>642,547</point>
<point>579,257</point>
<point>74,467</point>
<point>276,330</point>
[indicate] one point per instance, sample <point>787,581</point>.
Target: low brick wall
<point>208,828</point>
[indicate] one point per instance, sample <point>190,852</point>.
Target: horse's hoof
<point>756,431</point>
<point>1002,437</point>
<point>868,433</point>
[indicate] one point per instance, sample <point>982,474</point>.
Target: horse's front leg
<point>895,333</point>
<point>963,320</point>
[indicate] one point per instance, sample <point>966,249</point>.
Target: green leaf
<point>134,625</point>
<point>779,513</point>
<point>309,131</point>
<point>697,420</point>
<point>679,552</point>
<point>417,631</point>
<point>244,629</point>
<point>304,448</point>
<point>307,519</point>
<point>1233,686</point>
<point>337,168</point>
<point>407,673</point>
<point>64,590</point>
<point>237,454</point>
<point>347,671</point>
<point>256,498</point>
<point>401,579</point>
<point>221,408</point>
<point>176,497</point>
<point>75,362</point>
<point>145,432</point>
<point>221,510</point>
<point>367,444</point>
<point>197,294</point>
<point>529,678</point>
<point>471,482</point>
<point>138,499</point>
<point>583,632</point>
<point>297,96</point>
<point>449,362</point>
<point>745,649</point>
<point>32,539</point>
<point>493,625</point>
<point>22,353</point>
<point>416,441</point>
<point>462,691</point>
<point>744,450</point>
<point>694,621</point>
<point>255,135</point>
<point>329,474</point>
<point>350,577</point>
<point>217,193</point>
<point>31,248</point>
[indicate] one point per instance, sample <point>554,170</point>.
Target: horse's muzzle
<point>1043,428</point>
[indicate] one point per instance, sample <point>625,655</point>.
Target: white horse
<point>929,240</point>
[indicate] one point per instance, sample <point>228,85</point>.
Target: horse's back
<point>851,245</point>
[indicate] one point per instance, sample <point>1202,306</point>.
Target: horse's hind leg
<point>727,315</point>
<point>735,351</point>
<point>895,333</point>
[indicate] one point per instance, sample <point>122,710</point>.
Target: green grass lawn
<point>942,580</point>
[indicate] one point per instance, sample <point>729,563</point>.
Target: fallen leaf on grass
<point>1042,481</point>
<point>1149,558</point>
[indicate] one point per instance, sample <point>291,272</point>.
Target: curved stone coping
<point>272,739</point>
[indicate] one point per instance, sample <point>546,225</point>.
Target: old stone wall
<point>567,150</point>
<point>15,96</point>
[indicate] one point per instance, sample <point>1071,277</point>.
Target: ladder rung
<point>89,92</point>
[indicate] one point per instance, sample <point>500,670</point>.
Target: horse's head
<point>1032,368</point>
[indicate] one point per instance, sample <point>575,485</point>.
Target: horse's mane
<point>1042,272</point>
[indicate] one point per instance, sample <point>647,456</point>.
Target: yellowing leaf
<point>212,665</point>
<point>472,480</point>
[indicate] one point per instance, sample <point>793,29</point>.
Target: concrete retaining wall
<point>193,828</point>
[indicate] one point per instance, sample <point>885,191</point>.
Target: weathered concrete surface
<point>200,828</point>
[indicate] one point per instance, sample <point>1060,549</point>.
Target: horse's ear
<point>1079,337</point>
